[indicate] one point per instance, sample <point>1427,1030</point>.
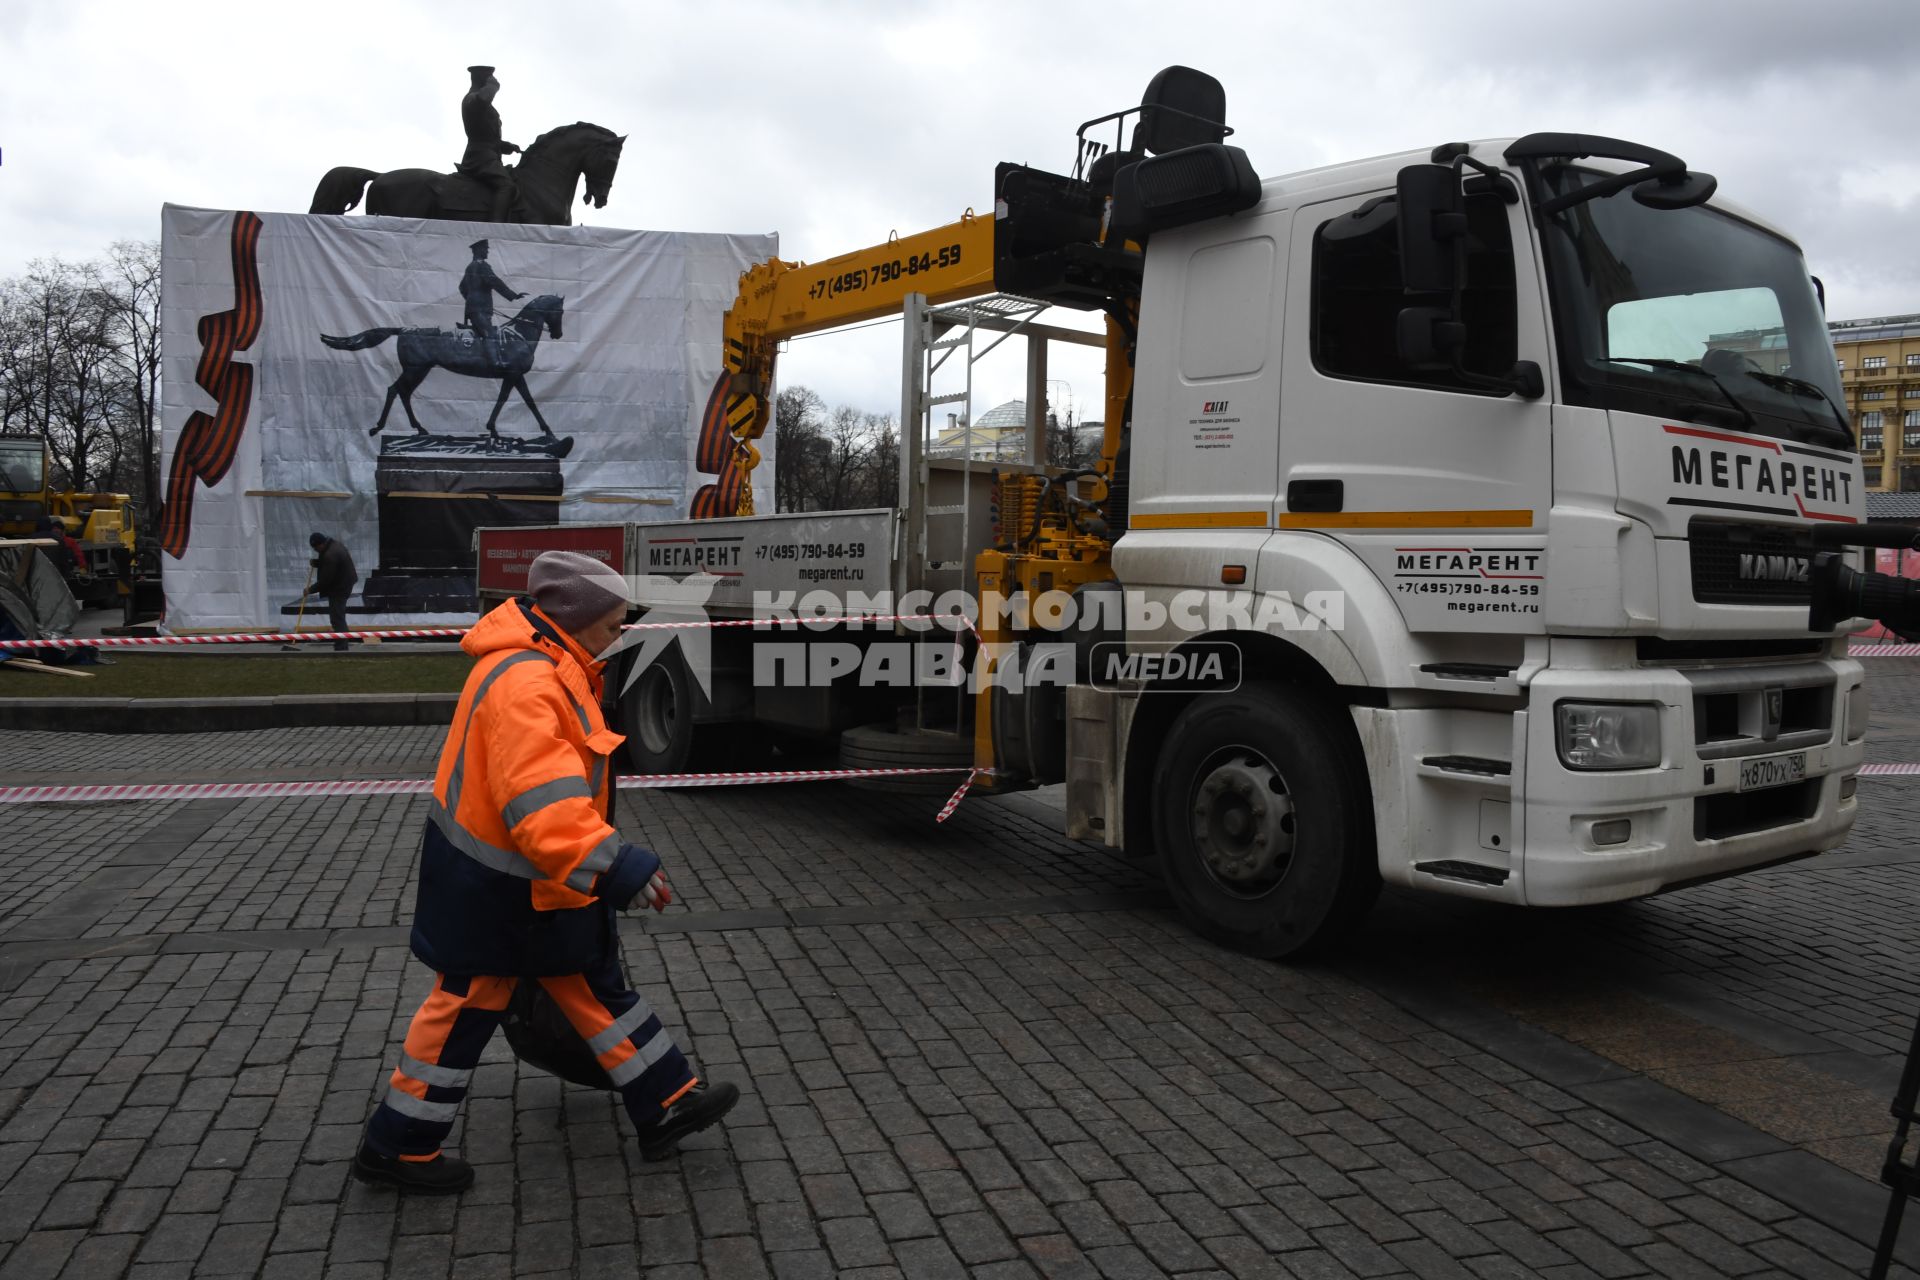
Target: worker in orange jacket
<point>521,872</point>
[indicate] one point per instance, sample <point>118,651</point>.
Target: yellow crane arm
<point>780,300</point>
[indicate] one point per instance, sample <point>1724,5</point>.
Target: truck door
<point>1443,488</point>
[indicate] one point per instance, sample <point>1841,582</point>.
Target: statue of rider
<point>478,286</point>
<point>484,147</point>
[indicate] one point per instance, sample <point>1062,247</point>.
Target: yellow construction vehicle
<point>113,566</point>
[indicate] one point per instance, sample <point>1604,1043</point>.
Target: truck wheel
<point>656,714</point>
<point>886,746</point>
<point>1263,820</point>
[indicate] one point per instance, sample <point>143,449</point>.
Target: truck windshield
<point>1688,313</point>
<point>20,465</point>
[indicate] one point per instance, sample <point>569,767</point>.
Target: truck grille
<point>1749,563</point>
<point>1749,710</point>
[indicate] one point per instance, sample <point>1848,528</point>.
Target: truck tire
<point>656,714</point>
<point>1263,819</point>
<point>886,746</point>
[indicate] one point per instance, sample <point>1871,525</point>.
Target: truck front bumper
<point>1595,836</point>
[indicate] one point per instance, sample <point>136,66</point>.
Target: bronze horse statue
<point>507,355</point>
<point>545,179</point>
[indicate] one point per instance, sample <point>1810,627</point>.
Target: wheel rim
<point>1242,820</point>
<point>658,712</point>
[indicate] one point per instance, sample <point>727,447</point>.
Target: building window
<point>1910,440</point>
<point>1912,419</point>
<point>1870,441</point>
<point>1874,362</point>
<point>1839,363</point>
<point>1870,421</point>
<point>1874,395</point>
<point>1913,360</point>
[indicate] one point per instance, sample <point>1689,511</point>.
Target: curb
<point>224,715</point>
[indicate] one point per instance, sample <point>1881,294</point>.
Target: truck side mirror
<point>1430,338</point>
<point>1433,226</point>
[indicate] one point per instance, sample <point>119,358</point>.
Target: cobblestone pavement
<point>974,1048</point>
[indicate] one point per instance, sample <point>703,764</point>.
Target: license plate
<point>1772,771</point>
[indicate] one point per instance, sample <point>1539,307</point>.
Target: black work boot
<point>697,1108</point>
<point>441,1176</point>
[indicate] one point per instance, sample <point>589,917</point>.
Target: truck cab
<point>1554,427</point>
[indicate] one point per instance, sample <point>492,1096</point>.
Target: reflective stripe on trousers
<point>453,1025</point>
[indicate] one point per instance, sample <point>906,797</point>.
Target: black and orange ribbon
<point>209,443</point>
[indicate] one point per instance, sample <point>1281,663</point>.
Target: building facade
<point>1880,369</point>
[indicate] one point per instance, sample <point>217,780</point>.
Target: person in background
<point>65,552</point>
<point>521,872</point>
<point>333,578</point>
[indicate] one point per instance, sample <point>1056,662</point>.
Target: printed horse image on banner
<point>506,355</point>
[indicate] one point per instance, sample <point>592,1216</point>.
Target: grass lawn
<point>153,675</point>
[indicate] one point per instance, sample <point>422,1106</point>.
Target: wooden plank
<point>30,664</point>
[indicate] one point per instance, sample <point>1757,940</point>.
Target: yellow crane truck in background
<point>114,567</point>
<point>1456,524</point>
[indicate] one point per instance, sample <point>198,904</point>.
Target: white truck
<point>1480,485</point>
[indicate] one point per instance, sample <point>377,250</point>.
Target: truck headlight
<point>1608,735</point>
<point>1857,713</point>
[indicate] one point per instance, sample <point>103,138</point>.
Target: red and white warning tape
<point>92,794</point>
<point>1901,770</point>
<point>454,633</point>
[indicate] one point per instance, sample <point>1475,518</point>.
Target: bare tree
<point>20,367</point>
<point>134,277</point>
<point>797,413</point>
<point>883,469</point>
<point>846,459</point>
<point>1070,444</point>
<point>80,366</point>
<point>833,461</point>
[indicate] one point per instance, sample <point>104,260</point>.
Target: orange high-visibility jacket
<point>519,862</point>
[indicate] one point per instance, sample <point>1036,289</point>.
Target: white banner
<point>289,338</point>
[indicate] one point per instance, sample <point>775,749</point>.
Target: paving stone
<point>938,1080</point>
<point>98,1256</point>
<point>931,1258</point>
<point>41,1254</point>
<point>178,1238</point>
<point>75,1204</point>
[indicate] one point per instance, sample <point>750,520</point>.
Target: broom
<point>300,617</point>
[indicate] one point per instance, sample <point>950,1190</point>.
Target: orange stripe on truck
<point>1406,520</point>
<point>1198,520</point>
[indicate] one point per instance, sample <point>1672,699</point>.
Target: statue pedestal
<point>433,492</point>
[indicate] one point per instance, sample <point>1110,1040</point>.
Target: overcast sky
<point>834,124</point>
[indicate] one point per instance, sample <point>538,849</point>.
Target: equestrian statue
<point>539,189</point>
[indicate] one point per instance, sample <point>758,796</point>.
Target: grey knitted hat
<point>575,589</point>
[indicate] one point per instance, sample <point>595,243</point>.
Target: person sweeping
<point>333,578</point>
<point>521,872</point>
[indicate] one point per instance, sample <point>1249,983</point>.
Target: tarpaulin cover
<point>34,600</point>
<point>266,432</point>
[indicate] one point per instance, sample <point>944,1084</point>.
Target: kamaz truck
<point>1454,527</point>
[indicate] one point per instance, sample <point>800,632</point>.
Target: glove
<point>625,882</point>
